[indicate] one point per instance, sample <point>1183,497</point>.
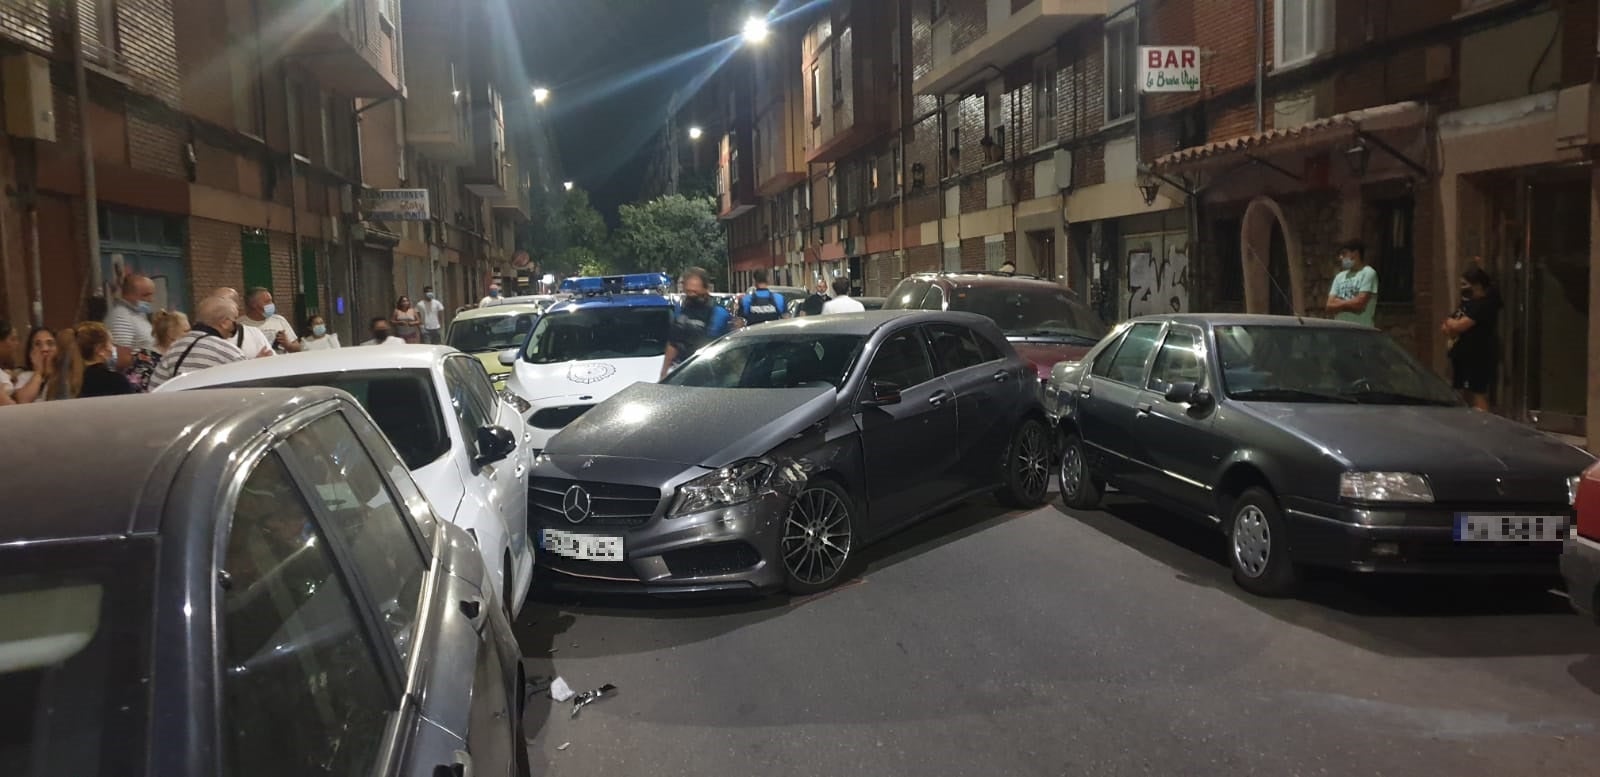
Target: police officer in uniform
<point>763,304</point>
<point>697,320</point>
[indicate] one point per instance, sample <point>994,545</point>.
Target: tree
<point>569,237</point>
<point>671,233</point>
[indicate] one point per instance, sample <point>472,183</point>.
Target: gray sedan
<point>1310,442</point>
<point>241,582</point>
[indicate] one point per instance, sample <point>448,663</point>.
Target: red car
<point>1043,320</point>
<point>1580,560</point>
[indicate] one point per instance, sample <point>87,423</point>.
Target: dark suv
<point>1044,321</point>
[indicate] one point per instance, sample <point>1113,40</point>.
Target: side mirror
<point>494,443</point>
<point>1189,393</point>
<point>508,357</point>
<point>882,393</point>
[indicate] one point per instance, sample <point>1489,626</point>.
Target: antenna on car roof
<point>1251,253</point>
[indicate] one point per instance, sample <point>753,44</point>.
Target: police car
<point>611,334</point>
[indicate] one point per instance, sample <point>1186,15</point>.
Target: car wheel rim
<point>816,536</point>
<point>1033,461</point>
<point>1071,472</point>
<point>1252,540</point>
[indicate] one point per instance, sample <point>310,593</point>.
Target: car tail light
<point>1588,503</point>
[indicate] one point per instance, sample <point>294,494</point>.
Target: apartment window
<point>899,179</point>
<point>1044,101</point>
<point>936,8</point>
<point>836,60</point>
<point>816,94</point>
<point>733,165</point>
<point>98,21</point>
<point>834,205</point>
<point>1122,91</point>
<point>1303,30</point>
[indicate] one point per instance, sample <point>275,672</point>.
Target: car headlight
<point>522,405</point>
<point>726,487</point>
<point>1385,487</point>
<point>1572,490</point>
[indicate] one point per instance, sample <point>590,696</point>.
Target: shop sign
<point>1169,69</point>
<point>398,205</point>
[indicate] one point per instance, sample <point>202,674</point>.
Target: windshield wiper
<point>1290,395</point>
<point>1394,398</point>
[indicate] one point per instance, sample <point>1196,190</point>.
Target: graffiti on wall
<point>1158,281</point>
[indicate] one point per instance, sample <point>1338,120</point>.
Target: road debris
<point>586,697</point>
<point>564,745</point>
<point>560,691</point>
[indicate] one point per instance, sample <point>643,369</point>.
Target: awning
<point>1312,134</point>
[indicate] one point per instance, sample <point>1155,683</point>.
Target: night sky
<point>612,67</point>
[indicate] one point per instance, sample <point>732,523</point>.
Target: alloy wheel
<point>1033,460</point>
<point>816,536</point>
<point>1252,540</point>
<point>1071,472</point>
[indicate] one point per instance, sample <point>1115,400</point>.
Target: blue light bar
<point>617,284</point>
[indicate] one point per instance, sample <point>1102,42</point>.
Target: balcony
<point>438,113</point>
<point>736,191</point>
<point>489,175</point>
<point>349,45</point>
<point>1012,33</point>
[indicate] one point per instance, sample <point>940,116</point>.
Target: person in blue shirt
<point>763,304</point>
<point>696,321</point>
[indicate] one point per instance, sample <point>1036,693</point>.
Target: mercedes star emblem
<point>576,504</point>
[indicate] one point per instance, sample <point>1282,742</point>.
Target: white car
<point>466,445</point>
<point>584,350</point>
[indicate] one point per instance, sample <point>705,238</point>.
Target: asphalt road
<point>987,642</point>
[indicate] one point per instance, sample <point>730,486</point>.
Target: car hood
<point>1430,440</point>
<point>1045,355</point>
<point>491,362</point>
<point>595,379</point>
<point>710,427</point>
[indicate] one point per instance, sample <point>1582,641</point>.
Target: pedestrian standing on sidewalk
<point>697,320</point>
<point>168,325</point>
<point>28,385</point>
<point>762,304</point>
<point>1474,327</point>
<point>99,376</point>
<point>405,321</point>
<point>382,334</point>
<point>261,313</point>
<point>819,297</point>
<point>842,302</point>
<point>494,296</point>
<point>208,344</point>
<point>66,376</point>
<point>133,334</point>
<point>319,339</point>
<point>432,311</point>
<point>1353,295</point>
<point>10,347</point>
<point>250,341</point>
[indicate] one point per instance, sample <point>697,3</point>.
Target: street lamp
<point>540,94</point>
<point>567,185</point>
<point>695,133</point>
<point>755,30</point>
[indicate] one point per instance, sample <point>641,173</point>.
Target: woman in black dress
<point>1475,354</point>
<point>94,345</point>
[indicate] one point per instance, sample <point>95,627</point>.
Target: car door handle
<point>939,397</point>
<point>459,766</point>
<point>1143,408</point>
<point>472,608</point>
<point>1085,390</point>
<point>1002,376</point>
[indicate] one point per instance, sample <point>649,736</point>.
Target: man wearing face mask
<point>248,339</point>
<point>128,319</point>
<point>494,296</point>
<point>382,334</point>
<point>432,312</point>
<point>207,344</point>
<point>1353,296</point>
<point>696,322</point>
<point>261,313</point>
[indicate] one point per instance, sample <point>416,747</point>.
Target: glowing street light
<point>755,30</point>
<point>540,94</point>
<point>567,185</point>
<point>695,133</point>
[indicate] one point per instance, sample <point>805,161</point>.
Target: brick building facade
<point>232,149</point>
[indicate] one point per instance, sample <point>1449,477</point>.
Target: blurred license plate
<point>1474,527</point>
<point>586,547</point>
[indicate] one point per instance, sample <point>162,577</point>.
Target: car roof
<point>1250,319</point>
<point>354,358</point>
<point>102,466</point>
<point>493,311</point>
<point>976,278</point>
<point>612,301</point>
<point>864,323</point>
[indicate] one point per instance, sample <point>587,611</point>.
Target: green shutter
<point>257,260</point>
<point>310,299</point>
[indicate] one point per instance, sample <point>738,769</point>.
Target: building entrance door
<point>1549,308</point>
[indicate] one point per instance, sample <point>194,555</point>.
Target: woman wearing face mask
<point>407,324</point>
<point>99,356</point>
<point>319,339</point>
<point>40,366</point>
<point>1474,354</point>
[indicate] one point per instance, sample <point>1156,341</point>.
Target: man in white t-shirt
<point>128,318</point>
<point>494,296</point>
<point>252,341</point>
<point>382,335</point>
<point>842,302</point>
<point>261,313</point>
<point>432,312</point>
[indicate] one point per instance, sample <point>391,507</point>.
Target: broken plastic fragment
<point>559,690</point>
<point>564,745</point>
<point>588,696</point>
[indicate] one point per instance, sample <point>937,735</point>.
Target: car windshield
<point>75,667</point>
<point>599,333</point>
<point>785,361</point>
<point>1044,311</point>
<point>494,333</point>
<point>1323,364</point>
<point>403,402</point>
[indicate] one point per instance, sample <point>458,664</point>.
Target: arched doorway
<point>1270,258</point>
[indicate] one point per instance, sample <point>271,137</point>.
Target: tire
<point>1258,545</point>
<point>817,540</point>
<point>1080,489</point>
<point>1025,472</point>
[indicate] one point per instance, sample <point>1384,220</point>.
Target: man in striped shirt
<point>208,344</point>
<point>128,318</point>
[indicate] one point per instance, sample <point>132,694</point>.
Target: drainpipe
<point>290,113</point>
<point>1138,96</point>
<point>944,155</point>
<point>91,195</point>
<point>1261,65</point>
